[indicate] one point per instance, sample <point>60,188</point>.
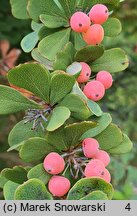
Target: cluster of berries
<point>54,164</point>
<point>95,89</point>
<point>90,25</point>
<point>100,160</point>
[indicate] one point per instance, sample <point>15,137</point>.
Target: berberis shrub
<point>64,131</point>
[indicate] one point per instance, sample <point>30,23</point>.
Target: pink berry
<point>54,163</point>
<point>95,168</point>
<point>94,35</point>
<point>80,22</point>
<point>99,14</point>
<point>106,177</point>
<point>85,73</point>
<point>105,78</point>
<point>59,186</point>
<point>103,156</point>
<point>90,147</point>
<point>94,90</point>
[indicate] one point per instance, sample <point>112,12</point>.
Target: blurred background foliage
<point>120,100</point>
<point>13,29</point>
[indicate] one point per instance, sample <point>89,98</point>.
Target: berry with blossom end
<point>95,168</point>
<point>80,22</point>
<point>94,35</point>
<point>99,14</point>
<point>54,163</point>
<point>105,78</point>
<point>94,90</point>
<point>59,186</point>
<point>85,73</point>
<point>90,147</point>
<point>103,156</point>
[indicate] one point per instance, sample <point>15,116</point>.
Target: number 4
<point>128,207</point>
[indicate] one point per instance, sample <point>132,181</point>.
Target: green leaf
<point>87,185</point>
<point>57,72</point>
<point>40,173</point>
<point>77,106</point>
<point>74,69</point>
<point>9,190</point>
<point>57,139</point>
<point>44,32</point>
<point>112,27</point>
<point>15,147</point>
<point>53,21</point>
<point>95,108</point>
<point>74,131</point>
<point>84,4</point>
<point>69,7</point>
<point>65,137</point>
<point>39,58</point>
<point>77,90</point>
<point>89,53</point>
<point>29,42</point>
<point>102,123</point>
<point>32,77</point>
<point>59,89</point>
<point>124,147</point>
<point>62,59</point>
<point>12,101</point>
<point>22,132</point>
<point>33,189</point>
<point>48,7</point>
<point>19,9</point>
<point>36,26</point>
<point>59,5</point>
<point>113,60</point>
<point>96,195</point>
<point>78,41</point>
<point>35,149</point>
<point>17,174</point>
<point>3,181</point>
<point>58,117</point>
<point>54,43</point>
<point>110,137</point>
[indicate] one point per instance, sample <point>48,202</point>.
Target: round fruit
<point>80,22</point>
<point>90,147</point>
<point>103,156</point>
<point>54,163</point>
<point>85,73</point>
<point>59,186</point>
<point>99,14</point>
<point>95,168</point>
<point>105,78</point>
<point>94,35</point>
<point>94,90</point>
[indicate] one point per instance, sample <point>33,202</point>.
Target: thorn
<point>43,117</point>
